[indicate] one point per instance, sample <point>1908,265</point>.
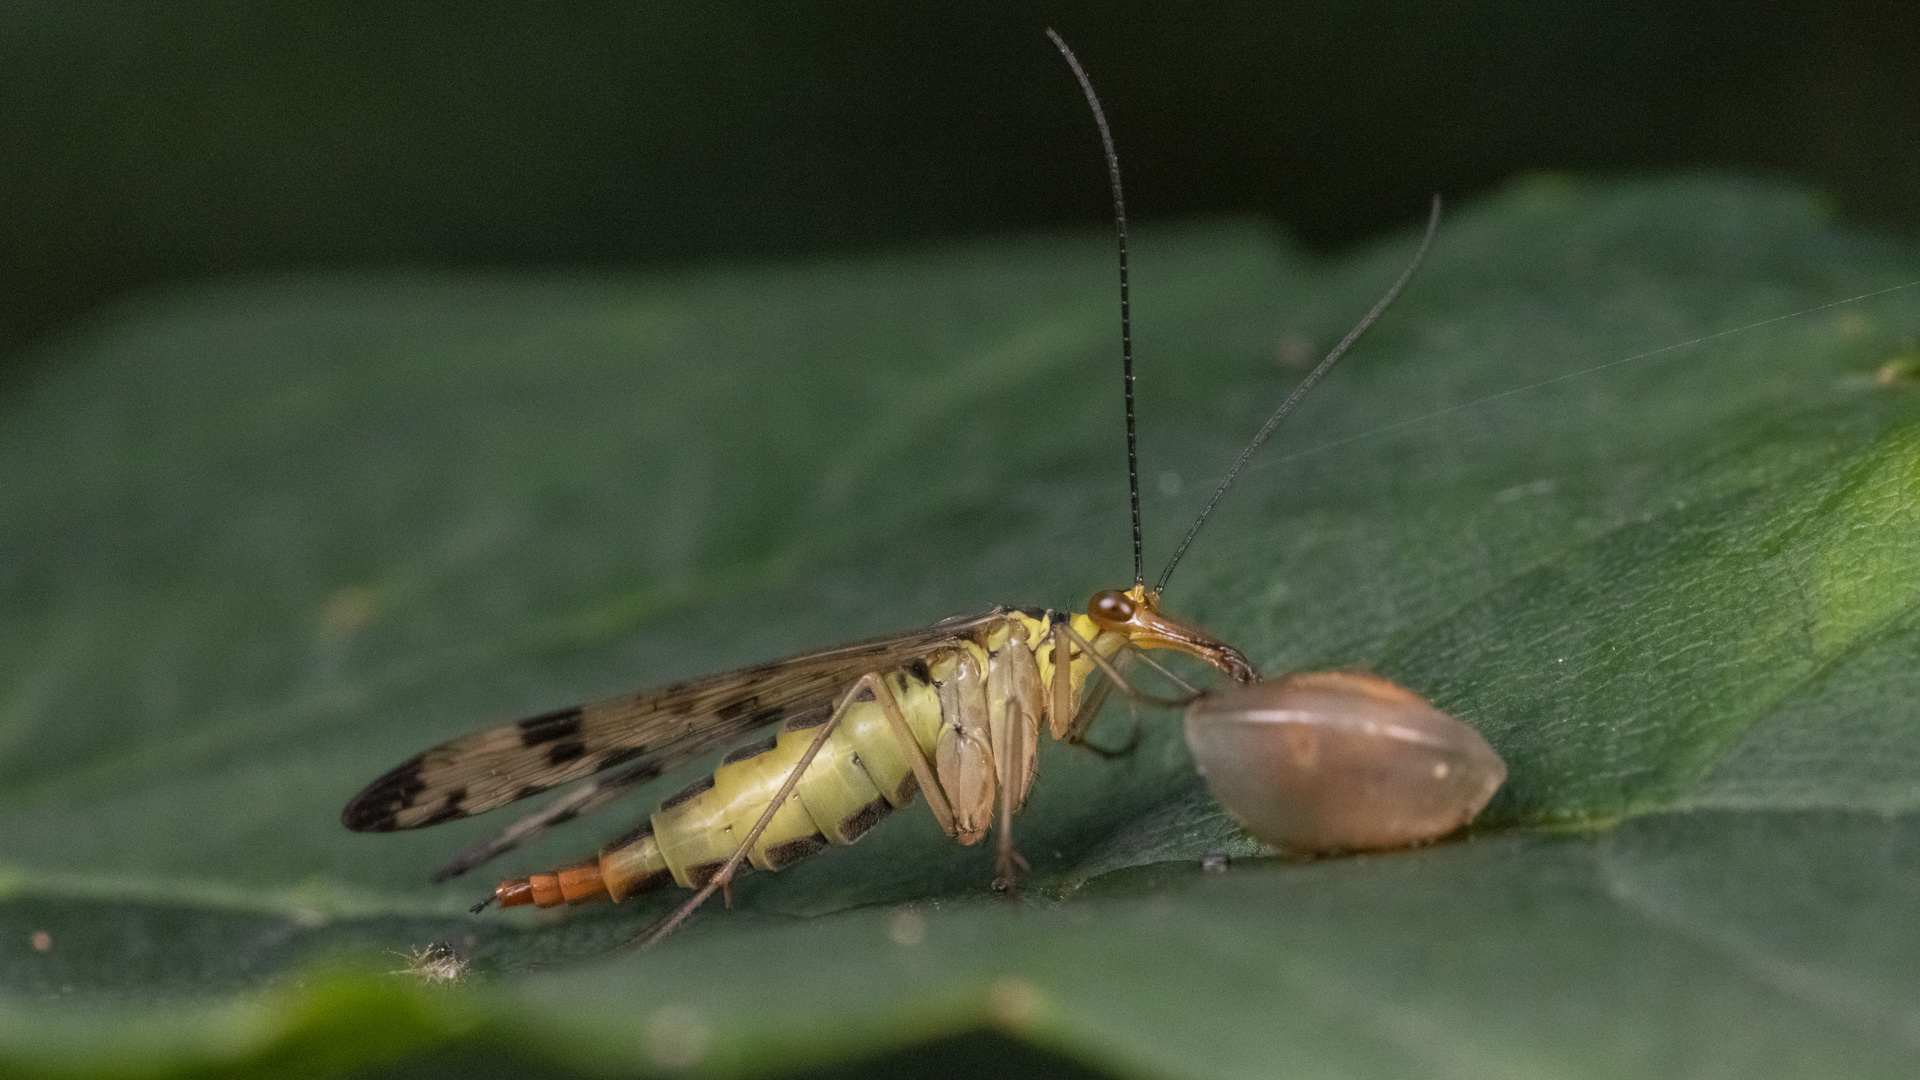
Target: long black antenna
<point>1126,318</point>
<point>1293,399</point>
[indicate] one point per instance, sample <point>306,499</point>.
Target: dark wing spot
<point>562,818</point>
<point>374,809</point>
<point>705,783</point>
<point>734,710</point>
<point>562,752</point>
<point>808,718</point>
<point>781,856</point>
<point>857,823</point>
<point>921,673</point>
<point>527,791</point>
<point>751,750</point>
<point>449,808</point>
<point>545,728</point>
<point>620,757</point>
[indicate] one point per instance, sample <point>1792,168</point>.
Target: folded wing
<point>649,732</point>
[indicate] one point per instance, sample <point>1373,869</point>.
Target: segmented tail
<point>626,867</point>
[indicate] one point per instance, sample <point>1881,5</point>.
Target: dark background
<point>143,143</point>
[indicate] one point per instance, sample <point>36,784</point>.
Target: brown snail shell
<point>1339,761</point>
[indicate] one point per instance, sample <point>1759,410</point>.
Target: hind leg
<point>869,684</point>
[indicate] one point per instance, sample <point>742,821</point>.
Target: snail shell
<point>1340,761</point>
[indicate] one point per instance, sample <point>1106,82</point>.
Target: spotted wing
<point>581,801</point>
<point>649,732</point>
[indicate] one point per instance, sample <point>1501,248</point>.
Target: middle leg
<point>1017,704</point>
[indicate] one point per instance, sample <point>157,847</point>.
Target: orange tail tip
<point>579,884</point>
<point>515,893</point>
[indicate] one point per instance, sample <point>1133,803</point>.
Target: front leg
<point>1016,772</point>
<point>1016,703</point>
<point>964,756</point>
<point>1070,723</point>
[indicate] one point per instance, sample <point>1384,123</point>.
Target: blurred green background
<point>144,142</point>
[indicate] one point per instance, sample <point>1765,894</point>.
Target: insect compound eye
<point>1110,608</point>
<point>1339,761</point>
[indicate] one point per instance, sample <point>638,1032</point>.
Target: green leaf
<point>1584,487</point>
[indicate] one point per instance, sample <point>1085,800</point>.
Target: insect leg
<point>1089,709</point>
<point>1161,668</point>
<point>723,877</point>
<point>1127,688</point>
<point>1016,700</point>
<point>963,756</point>
<point>1008,864</point>
<point>1111,753</point>
<point>1062,719</point>
<point>1083,720</point>
<point>1068,724</point>
<point>922,772</point>
<point>1076,733</point>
